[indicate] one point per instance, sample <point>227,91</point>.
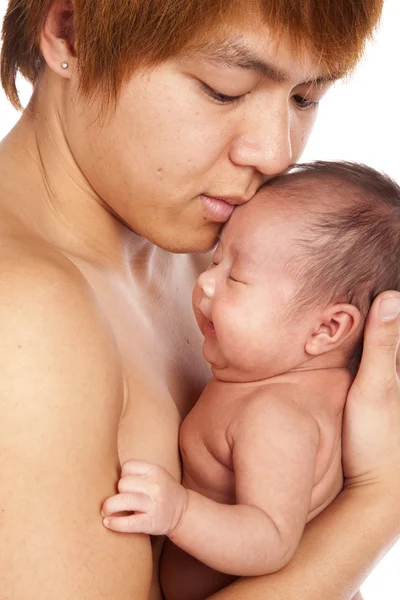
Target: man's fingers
<point>381,339</point>
<point>139,523</point>
<point>133,502</point>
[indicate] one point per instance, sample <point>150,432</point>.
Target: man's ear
<point>58,37</point>
<point>338,323</point>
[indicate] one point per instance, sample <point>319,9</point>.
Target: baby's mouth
<point>209,329</point>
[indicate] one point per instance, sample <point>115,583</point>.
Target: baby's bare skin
<point>292,486</point>
<point>205,441</point>
<point>208,465</point>
<point>261,448</point>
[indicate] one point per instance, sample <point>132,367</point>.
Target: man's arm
<point>60,400</point>
<point>342,544</point>
<point>336,553</point>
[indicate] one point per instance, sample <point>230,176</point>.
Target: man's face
<point>197,135</point>
<point>243,301</point>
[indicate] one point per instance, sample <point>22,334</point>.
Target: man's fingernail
<point>389,308</point>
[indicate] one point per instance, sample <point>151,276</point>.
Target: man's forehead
<point>236,51</point>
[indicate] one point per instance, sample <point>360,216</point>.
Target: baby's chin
<point>224,371</point>
<point>218,365</point>
<point>229,374</point>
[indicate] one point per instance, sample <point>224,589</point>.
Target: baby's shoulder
<point>273,411</point>
<point>280,402</point>
<point>282,392</point>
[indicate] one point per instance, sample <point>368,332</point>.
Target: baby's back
<point>206,436</point>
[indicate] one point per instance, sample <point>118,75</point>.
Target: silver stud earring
<point>64,65</point>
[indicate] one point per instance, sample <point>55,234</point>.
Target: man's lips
<point>217,209</point>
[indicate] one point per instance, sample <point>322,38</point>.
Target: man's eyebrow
<point>235,54</point>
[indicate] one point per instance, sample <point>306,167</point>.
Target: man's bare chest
<point>159,349</point>
<point>164,373</point>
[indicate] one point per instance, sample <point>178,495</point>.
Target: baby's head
<point>296,270</point>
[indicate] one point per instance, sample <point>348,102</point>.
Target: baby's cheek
<point>196,297</point>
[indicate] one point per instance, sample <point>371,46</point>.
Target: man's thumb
<point>382,337</point>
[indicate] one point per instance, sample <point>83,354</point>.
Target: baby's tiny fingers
<point>134,502</point>
<point>128,524</point>
<point>134,484</point>
<point>136,467</point>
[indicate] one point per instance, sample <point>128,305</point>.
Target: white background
<point>359,121</point>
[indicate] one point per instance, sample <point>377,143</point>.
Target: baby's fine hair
<point>350,250</point>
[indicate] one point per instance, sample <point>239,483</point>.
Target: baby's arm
<point>274,447</point>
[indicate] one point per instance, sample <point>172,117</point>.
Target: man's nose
<point>264,141</point>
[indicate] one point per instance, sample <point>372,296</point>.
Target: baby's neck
<point>313,376</point>
<point>337,359</point>
<point>330,361</point>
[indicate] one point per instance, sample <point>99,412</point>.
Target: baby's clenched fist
<point>154,499</point>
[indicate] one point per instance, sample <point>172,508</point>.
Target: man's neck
<point>43,188</point>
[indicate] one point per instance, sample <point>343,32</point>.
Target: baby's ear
<point>337,323</point>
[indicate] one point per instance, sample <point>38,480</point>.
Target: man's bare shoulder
<point>28,257</point>
<point>46,302</point>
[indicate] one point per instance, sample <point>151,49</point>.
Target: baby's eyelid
<point>235,280</point>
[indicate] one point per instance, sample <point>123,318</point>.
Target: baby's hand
<point>152,494</point>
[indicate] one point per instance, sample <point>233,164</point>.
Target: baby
<point>281,309</point>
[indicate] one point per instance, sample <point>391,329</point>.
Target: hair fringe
<point>113,37</point>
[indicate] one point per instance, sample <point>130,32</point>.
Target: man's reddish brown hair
<point>113,37</point>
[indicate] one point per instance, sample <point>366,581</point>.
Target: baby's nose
<point>206,283</point>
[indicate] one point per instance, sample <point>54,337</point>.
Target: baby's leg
<point>185,578</point>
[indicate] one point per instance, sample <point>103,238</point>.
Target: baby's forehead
<point>268,212</point>
<point>285,198</point>
<point>255,236</point>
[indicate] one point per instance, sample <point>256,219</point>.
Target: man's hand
<point>155,498</point>
<point>371,428</point>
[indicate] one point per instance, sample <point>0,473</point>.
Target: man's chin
<point>199,242</point>
<point>192,248</point>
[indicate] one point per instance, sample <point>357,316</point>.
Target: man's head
<point>296,270</point>
<point>207,98</point>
